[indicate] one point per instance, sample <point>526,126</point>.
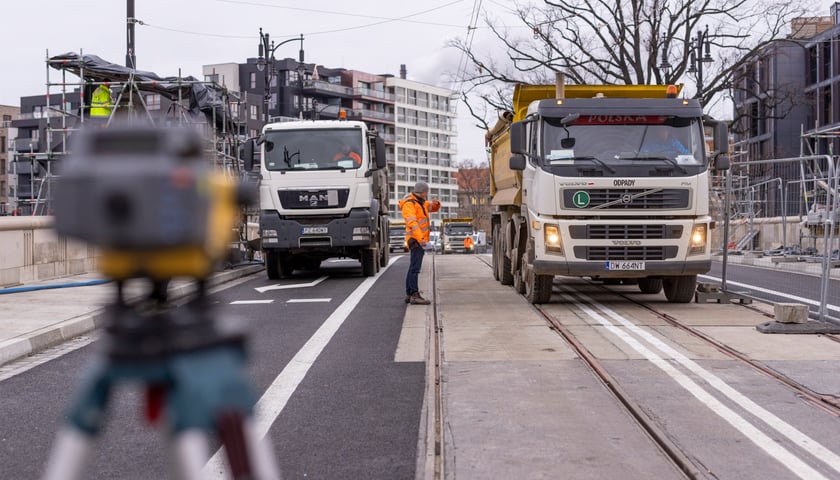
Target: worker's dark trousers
<point>416,261</point>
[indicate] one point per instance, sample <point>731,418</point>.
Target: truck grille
<point>626,253</point>
<point>616,232</point>
<point>625,198</point>
<point>308,199</point>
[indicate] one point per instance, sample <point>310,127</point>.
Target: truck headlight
<point>552,239</point>
<point>697,242</point>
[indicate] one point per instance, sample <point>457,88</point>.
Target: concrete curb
<point>47,337</point>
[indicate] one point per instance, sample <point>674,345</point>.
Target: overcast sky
<point>374,36</point>
<point>186,34</point>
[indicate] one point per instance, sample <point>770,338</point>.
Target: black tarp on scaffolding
<point>203,97</point>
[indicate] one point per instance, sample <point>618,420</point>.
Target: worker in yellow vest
<point>100,102</point>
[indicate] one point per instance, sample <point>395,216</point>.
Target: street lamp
<point>698,44</point>
<point>266,56</point>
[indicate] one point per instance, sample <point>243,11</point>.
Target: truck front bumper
<point>354,230</point>
<point>599,269</point>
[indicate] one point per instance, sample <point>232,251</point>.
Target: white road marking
<point>763,441</point>
<point>249,302</point>
<point>773,292</point>
<point>286,287</point>
<point>277,394</point>
<point>308,300</point>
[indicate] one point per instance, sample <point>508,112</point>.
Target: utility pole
<point>130,58</point>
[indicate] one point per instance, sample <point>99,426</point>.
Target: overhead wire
<point>384,20</point>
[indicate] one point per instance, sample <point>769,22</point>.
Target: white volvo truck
<point>323,194</point>
<point>578,193</point>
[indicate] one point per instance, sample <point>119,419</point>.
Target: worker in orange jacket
<point>415,211</point>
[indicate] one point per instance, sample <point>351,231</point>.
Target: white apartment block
<point>425,146</point>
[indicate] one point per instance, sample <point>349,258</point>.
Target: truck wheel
<point>285,265</point>
<point>650,285</point>
<point>505,274</point>
<point>272,265</point>
<point>680,289</point>
<point>496,249</point>
<point>538,287</point>
<point>384,257</point>
<point>368,259</point>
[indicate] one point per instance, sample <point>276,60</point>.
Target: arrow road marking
<point>285,287</point>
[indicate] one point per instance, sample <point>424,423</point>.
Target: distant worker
<point>415,211</point>
<point>347,154</point>
<point>659,139</point>
<point>100,102</point>
<point>468,243</point>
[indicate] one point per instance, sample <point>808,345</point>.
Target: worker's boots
<point>416,299</point>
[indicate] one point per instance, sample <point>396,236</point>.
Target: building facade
<point>786,101</point>
<point>7,134</point>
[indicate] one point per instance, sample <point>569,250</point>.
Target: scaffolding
<point>222,124</point>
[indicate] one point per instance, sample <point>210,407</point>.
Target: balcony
<point>377,94</point>
<point>365,114</point>
<point>25,145</point>
<point>319,86</point>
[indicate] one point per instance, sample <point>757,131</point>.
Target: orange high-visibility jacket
<point>415,212</point>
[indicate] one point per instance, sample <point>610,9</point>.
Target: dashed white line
<point>250,302</point>
<point>294,285</point>
<point>308,300</point>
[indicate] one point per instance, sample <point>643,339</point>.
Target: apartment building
<point>786,101</point>
<point>7,133</point>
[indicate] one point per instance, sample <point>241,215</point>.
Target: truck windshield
<point>623,144</point>
<point>459,229</point>
<point>313,149</point>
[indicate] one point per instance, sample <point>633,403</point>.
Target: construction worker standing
<point>415,211</point>
<point>100,102</point>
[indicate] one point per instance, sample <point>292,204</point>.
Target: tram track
<point>828,403</point>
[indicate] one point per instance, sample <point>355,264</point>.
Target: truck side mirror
<point>517,161</point>
<point>379,150</point>
<point>247,153</point>
<point>517,137</point>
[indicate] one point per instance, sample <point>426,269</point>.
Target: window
<point>2,189</point>
<point>212,78</point>
<point>7,118</point>
<point>37,111</point>
<point>255,112</point>
<point>253,79</point>
<point>152,101</point>
<point>2,166</point>
<point>3,150</point>
<point>35,134</point>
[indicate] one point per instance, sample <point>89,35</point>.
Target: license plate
<point>625,265</point>
<point>310,230</point>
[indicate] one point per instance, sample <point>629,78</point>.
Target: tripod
<point>192,371</point>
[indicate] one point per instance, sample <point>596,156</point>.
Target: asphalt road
<point>354,414</point>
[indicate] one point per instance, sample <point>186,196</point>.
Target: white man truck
<point>317,199</point>
<point>453,233</point>
<point>578,193</point>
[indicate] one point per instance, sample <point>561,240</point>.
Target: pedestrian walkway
<point>39,315</point>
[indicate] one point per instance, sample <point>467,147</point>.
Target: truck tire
<point>519,283</point>
<point>650,285</point>
<point>384,257</point>
<point>272,265</point>
<point>680,289</point>
<point>368,259</point>
<point>538,287</point>
<point>495,256</point>
<point>285,265</point>
<point>505,275</point>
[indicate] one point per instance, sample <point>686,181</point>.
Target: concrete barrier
<point>30,251</point>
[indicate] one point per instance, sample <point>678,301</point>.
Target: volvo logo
<point>627,243</point>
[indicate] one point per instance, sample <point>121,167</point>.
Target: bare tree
<point>618,42</point>
<point>474,193</point>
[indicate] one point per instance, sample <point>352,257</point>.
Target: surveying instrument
<point>157,209</point>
